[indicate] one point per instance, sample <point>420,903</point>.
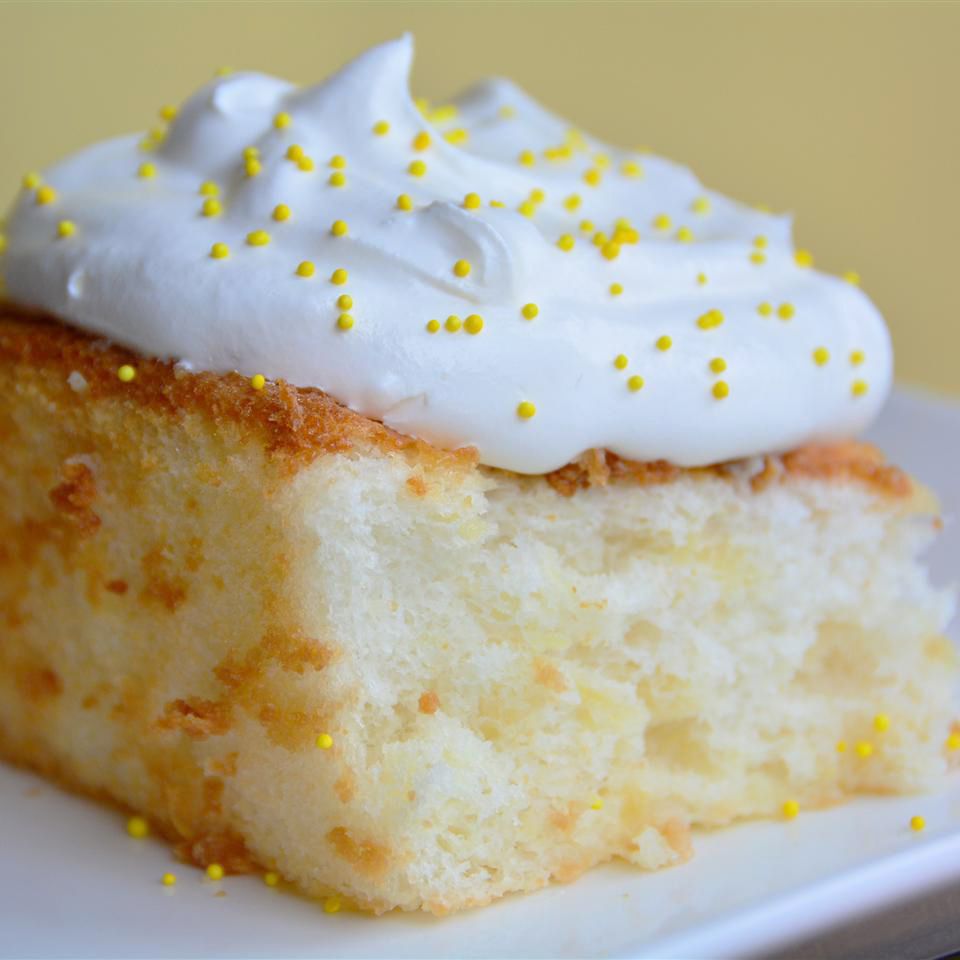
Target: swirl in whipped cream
<point>485,277</point>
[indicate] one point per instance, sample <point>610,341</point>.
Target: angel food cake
<point>425,504</point>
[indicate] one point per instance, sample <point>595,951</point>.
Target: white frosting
<point>138,270</point>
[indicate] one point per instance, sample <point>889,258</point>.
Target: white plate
<point>73,884</point>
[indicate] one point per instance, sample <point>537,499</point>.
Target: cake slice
<point>424,504</point>
<point>298,641</point>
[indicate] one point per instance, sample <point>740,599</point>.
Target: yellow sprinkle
<point>381,128</point>
<point>601,160</point>
<point>701,205</point>
<point>168,879</point>
<point>821,356</point>
<point>664,343</point>
<point>344,301</point>
<point>258,381</point>
<point>506,112</point>
<point>701,279</point>
<point>710,320</point>
<point>31,180</point>
<point>530,311</point>
<point>537,195</point>
<point>718,364</point>
<point>339,228</point>
<point>610,250</point>
<point>421,141</point>
<point>881,722</point>
<point>305,164</point>
<point>572,203</point>
<point>786,311</point>
<point>306,268</point>
<point>635,383</point>
<point>592,177</point>
<point>765,309</point>
<point>324,741</point>
<point>684,235</point>
<point>473,323</point>
<point>404,202</point>
<point>219,251</point>
<point>271,879</point>
<point>251,153</point>
<point>146,170</point>
<point>46,195</point>
<point>281,212</point>
<point>953,741</point>
<point>339,276</point>
<point>566,242</point>
<point>526,410</point>
<point>790,809</point>
<point>282,120</point>
<point>444,113</point>
<point>527,158</point>
<point>721,389</point>
<point>462,268</point>
<point>66,228</point>
<point>596,803</point>
<point>841,746</point>
<point>223,71</point>
<point>433,326</point>
<point>209,189</point>
<point>167,112</point>
<point>211,207</point>
<point>125,374</point>
<point>252,167</point>
<point>616,289</point>
<point>258,238</point>
<point>472,201</point>
<point>338,162</point>
<point>528,208</point>
<point>758,258</point>
<point>917,823</point>
<point>456,137</point>
<point>599,238</point>
<point>422,104</point>
<point>630,168</point>
<point>864,748</point>
<point>803,258</point>
<point>620,361</point>
<point>760,242</point>
<point>215,871</point>
<point>345,321</point>
<point>136,826</point>
<point>337,179</point>
<point>859,388</point>
<point>453,323</point>
<point>662,222</point>
<point>331,905</point>
<point>586,226</point>
<point>295,152</point>
<point>851,276</point>
<point>417,169</point>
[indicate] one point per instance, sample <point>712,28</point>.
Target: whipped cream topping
<point>480,275</point>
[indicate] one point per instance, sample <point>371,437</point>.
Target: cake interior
<point>519,678</point>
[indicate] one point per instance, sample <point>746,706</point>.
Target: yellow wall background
<point>847,114</point>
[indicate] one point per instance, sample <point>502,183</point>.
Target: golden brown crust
<point>298,424</point>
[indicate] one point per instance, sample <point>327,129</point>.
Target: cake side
<point>517,684</point>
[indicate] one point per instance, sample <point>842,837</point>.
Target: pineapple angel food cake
<point>424,505</point>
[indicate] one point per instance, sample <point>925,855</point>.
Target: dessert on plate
<point>428,504</point>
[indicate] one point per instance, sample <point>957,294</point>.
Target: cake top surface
<point>477,275</point>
